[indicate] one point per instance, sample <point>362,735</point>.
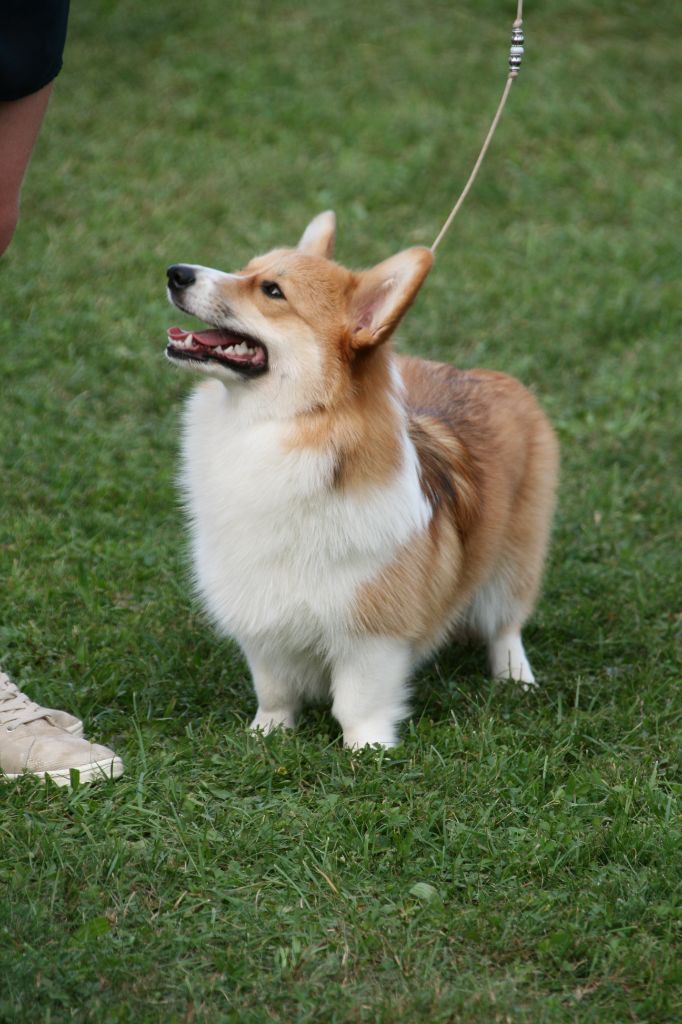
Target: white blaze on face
<point>203,298</point>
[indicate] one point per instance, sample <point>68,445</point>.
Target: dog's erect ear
<point>319,237</point>
<point>384,294</point>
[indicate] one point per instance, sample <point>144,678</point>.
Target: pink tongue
<point>177,334</point>
<point>210,338</point>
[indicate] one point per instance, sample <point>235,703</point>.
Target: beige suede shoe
<point>32,743</point>
<point>12,699</point>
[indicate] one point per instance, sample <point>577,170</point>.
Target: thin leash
<point>515,56</point>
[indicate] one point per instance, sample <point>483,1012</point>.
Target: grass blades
<point>518,857</point>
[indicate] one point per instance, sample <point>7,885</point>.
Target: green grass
<point>518,857</point>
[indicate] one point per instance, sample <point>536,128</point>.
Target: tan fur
<point>361,428</point>
<point>488,461</point>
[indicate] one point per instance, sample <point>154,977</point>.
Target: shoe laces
<point>15,707</point>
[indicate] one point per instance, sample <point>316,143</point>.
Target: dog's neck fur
<point>365,427</point>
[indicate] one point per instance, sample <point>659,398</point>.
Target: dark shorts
<point>32,37</point>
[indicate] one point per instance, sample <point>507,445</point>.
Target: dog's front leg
<point>369,687</point>
<point>277,693</point>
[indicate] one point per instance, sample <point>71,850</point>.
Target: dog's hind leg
<point>507,657</point>
<point>496,615</point>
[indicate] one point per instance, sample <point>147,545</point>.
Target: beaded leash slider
<point>515,58</point>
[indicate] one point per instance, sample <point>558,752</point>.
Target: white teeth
<point>240,349</point>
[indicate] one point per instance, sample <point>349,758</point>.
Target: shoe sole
<point>94,771</point>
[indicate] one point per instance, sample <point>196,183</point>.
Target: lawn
<point>518,858</point>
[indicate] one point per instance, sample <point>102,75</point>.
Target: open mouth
<point>238,352</point>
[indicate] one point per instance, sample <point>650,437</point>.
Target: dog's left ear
<point>319,237</point>
<point>385,293</point>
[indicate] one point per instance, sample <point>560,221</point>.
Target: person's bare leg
<point>20,122</point>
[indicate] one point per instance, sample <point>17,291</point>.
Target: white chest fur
<point>279,554</point>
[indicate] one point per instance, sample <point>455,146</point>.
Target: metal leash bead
<point>516,49</point>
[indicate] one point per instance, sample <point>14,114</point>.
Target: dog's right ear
<point>319,237</point>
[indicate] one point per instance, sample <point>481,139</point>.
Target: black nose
<point>180,276</point>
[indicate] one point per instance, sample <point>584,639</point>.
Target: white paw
<point>369,734</point>
<point>527,684</point>
<point>518,674</point>
<point>266,721</point>
<point>508,660</point>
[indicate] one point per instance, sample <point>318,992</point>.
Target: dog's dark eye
<point>272,290</point>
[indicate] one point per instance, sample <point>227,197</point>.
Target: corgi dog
<point>352,509</point>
